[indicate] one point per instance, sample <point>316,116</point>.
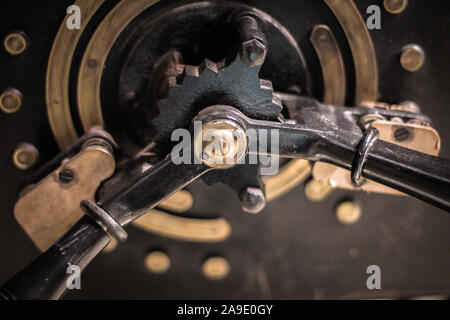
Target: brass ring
<point>57,79</point>
<point>361,45</point>
<point>94,58</point>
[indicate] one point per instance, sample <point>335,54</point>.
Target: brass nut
<point>216,268</point>
<point>221,144</point>
<point>395,6</point>
<point>11,100</point>
<point>157,262</point>
<point>412,57</point>
<point>348,212</point>
<point>25,156</point>
<point>15,43</point>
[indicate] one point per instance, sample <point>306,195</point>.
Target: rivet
<point>11,100</point>
<point>395,6</point>
<point>157,262</point>
<point>15,43</point>
<point>348,212</point>
<point>216,268</point>
<point>25,156</point>
<point>412,57</point>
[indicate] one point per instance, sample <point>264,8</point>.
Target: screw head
<point>412,57</point>
<point>253,200</point>
<point>253,53</point>
<point>25,156</point>
<point>15,43</point>
<point>401,134</point>
<point>66,176</point>
<point>11,100</point>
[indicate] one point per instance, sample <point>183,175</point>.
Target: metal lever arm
<point>417,174</point>
<point>46,277</point>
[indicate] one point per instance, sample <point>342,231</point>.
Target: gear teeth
<point>208,65</point>
<point>195,86</point>
<point>277,101</point>
<point>191,71</point>
<point>265,84</point>
<point>221,65</point>
<point>172,82</point>
<point>190,74</point>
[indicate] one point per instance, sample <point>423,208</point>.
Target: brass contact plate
<point>49,209</point>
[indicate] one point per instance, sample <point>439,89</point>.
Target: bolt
<point>25,156</point>
<point>215,268</point>
<point>395,6</point>
<point>222,143</point>
<point>401,134</point>
<point>15,43</point>
<point>253,200</point>
<point>253,41</point>
<point>253,53</point>
<point>11,100</point>
<point>157,262</point>
<point>348,212</point>
<point>66,176</point>
<point>412,57</point>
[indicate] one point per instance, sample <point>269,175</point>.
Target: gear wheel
<point>198,87</point>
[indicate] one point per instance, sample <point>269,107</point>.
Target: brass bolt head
<point>395,6</point>
<point>11,100</point>
<point>412,57</point>
<point>157,262</point>
<point>216,268</point>
<point>15,43</point>
<point>348,212</point>
<point>25,156</point>
<point>222,144</point>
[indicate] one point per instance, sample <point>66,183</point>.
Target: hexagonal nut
<point>253,200</point>
<point>253,53</point>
